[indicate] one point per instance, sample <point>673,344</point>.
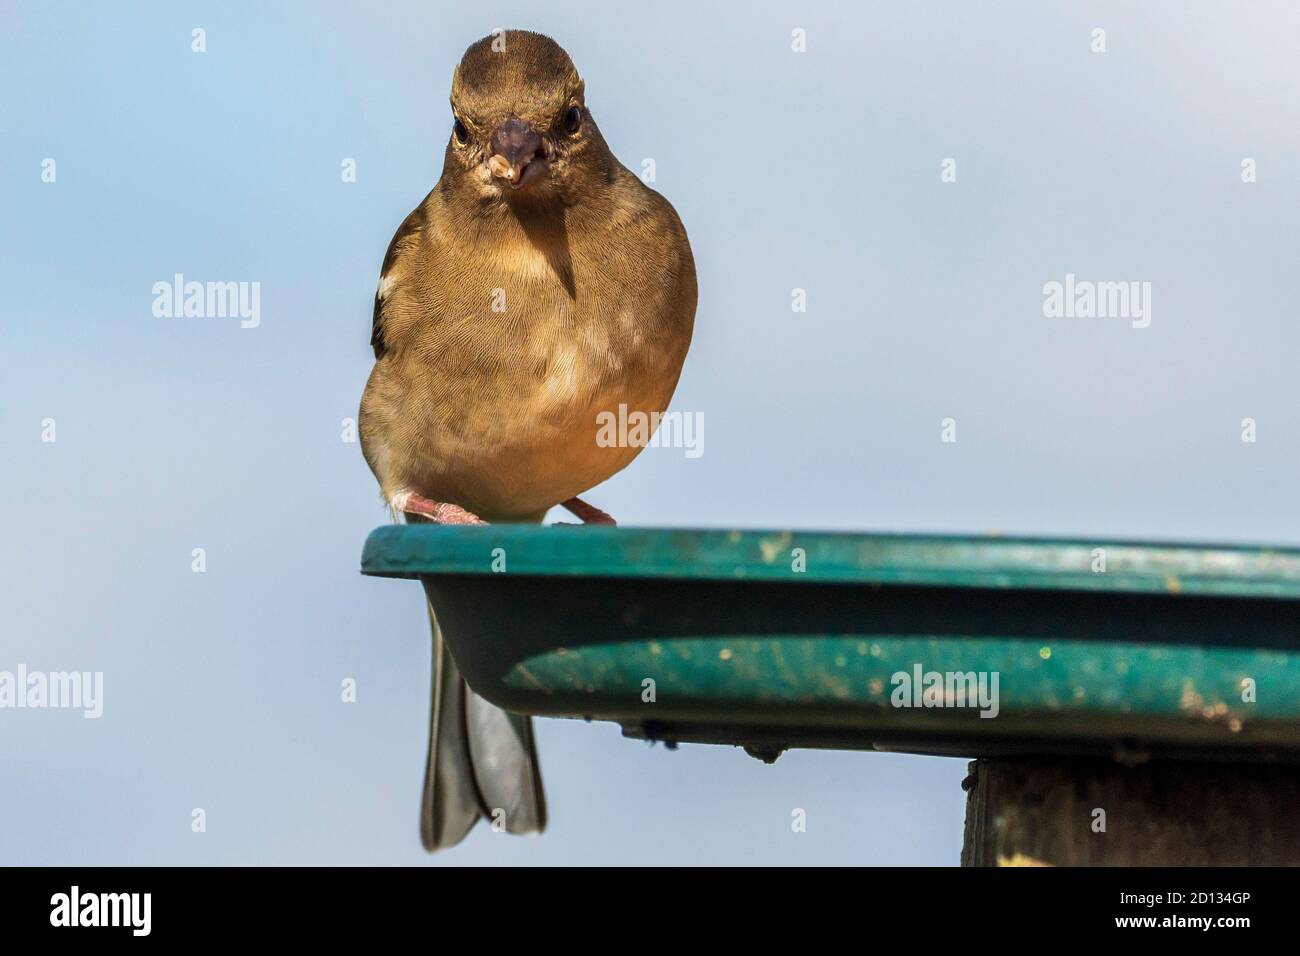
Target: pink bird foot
<point>589,514</point>
<point>439,512</point>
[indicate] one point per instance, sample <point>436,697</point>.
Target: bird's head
<point>520,126</point>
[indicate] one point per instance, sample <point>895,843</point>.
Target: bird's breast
<point>513,355</point>
<point>507,418</point>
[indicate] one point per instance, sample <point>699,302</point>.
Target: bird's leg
<point>589,514</point>
<point>439,512</point>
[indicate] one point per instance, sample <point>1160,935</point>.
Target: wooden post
<point>1022,812</point>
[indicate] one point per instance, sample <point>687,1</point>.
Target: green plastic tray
<point>777,639</point>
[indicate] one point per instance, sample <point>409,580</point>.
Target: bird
<point>539,285</point>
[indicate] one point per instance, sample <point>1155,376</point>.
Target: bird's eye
<point>572,120</point>
<point>460,131</point>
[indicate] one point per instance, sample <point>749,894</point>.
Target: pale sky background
<point>817,170</point>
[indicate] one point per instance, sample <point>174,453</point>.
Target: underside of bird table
<point>984,647</point>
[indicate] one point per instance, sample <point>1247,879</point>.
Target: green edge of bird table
<point>776,639</point>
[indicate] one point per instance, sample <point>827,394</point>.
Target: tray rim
<point>839,557</point>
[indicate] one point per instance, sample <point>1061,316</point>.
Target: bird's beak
<point>517,150</point>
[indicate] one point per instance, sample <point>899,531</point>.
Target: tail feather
<point>506,771</point>
<point>450,805</point>
<point>482,761</point>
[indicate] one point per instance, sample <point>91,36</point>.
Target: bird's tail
<point>482,761</point>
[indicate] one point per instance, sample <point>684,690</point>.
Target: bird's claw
<point>438,512</point>
<point>589,514</point>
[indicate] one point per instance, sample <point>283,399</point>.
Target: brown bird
<point>538,285</point>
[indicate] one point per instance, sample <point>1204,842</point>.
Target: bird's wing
<point>405,241</point>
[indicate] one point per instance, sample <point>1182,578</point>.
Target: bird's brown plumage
<point>496,411</point>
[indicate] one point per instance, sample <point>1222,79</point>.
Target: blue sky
<point>818,171</point>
